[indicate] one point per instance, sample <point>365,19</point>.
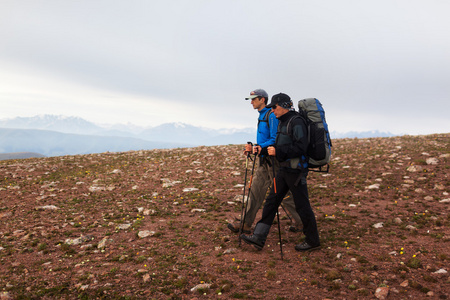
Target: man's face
<point>279,111</point>
<point>258,103</point>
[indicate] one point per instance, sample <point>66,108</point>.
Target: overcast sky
<point>375,65</point>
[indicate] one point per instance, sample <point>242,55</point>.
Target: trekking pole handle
<point>251,145</point>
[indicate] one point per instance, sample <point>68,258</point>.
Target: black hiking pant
<point>287,180</point>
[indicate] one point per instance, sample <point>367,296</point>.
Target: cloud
<point>195,61</point>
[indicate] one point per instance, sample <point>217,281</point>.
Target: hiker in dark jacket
<point>290,151</point>
<point>263,177</point>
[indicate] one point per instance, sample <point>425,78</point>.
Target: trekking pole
<point>286,213</point>
<point>278,215</point>
<point>244,204</point>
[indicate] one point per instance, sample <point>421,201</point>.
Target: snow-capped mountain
<point>51,122</point>
<point>59,135</point>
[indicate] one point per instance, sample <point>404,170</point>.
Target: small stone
<point>123,226</point>
<point>440,271</point>
<point>432,161</point>
<point>378,225</point>
<point>381,292</point>
<point>230,251</point>
<point>45,207</point>
<point>102,243</point>
<point>198,210</point>
<point>201,286</point>
<point>414,169</point>
<point>146,233</point>
<point>146,277</point>
<point>5,296</point>
<point>149,212</point>
<point>410,227</point>
<point>373,186</point>
<point>404,283</point>
<point>398,221</point>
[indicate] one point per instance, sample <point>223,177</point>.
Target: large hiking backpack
<point>319,141</point>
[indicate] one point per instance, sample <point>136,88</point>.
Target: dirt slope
<point>152,225</point>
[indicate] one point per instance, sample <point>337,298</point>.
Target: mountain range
<point>52,135</point>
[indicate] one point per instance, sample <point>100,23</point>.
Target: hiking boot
<point>305,247</point>
<point>237,225</point>
<point>295,228</point>
<point>258,239</point>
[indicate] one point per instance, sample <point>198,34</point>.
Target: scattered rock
<point>432,161</point>
<point>47,207</point>
<point>198,210</point>
<point>230,251</point>
<point>166,182</point>
<point>440,271</point>
<point>5,215</point>
<point>404,283</point>
<point>146,277</point>
<point>5,296</point>
<point>190,189</point>
<point>414,169</point>
<point>102,243</point>
<point>378,225</point>
<point>80,240</point>
<point>149,212</point>
<point>201,286</point>
<point>96,188</point>
<point>373,186</point>
<point>410,227</point>
<point>123,226</point>
<point>398,220</point>
<point>145,233</point>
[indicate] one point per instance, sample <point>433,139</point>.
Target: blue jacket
<point>267,131</point>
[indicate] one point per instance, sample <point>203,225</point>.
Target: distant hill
<point>53,135</point>
<point>19,155</point>
<point>51,143</point>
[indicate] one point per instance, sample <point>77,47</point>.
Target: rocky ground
<point>152,225</point>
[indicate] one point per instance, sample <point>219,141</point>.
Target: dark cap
<point>257,93</point>
<point>282,100</point>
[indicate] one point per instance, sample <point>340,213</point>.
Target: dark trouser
<point>286,181</point>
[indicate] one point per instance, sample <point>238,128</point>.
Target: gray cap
<point>257,93</point>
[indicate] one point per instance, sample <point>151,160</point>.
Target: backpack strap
<point>303,159</point>
<point>266,118</point>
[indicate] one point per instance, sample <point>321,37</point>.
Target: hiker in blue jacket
<point>263,177</point>
<point>290,150</point>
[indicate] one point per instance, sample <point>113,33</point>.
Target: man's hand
<point>248,149</point>
<point>271,151</point>
<point>256,149</point>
